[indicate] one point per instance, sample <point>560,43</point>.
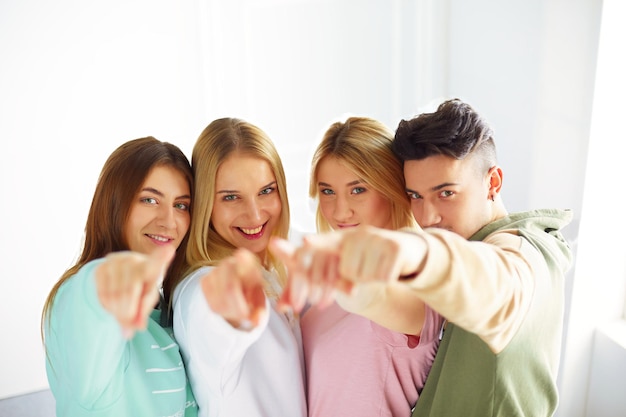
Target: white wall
<point>293,67</point>
<point>76,80</point>
<point>599,287</point>
<point>606,379</point>
<point>79,79</point>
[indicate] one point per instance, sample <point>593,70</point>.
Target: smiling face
<point>450,194</point>
<point>346,201</point>
<point>247,204</point>
<point>159,214</point>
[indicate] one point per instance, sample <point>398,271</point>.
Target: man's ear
<point>495,181</point>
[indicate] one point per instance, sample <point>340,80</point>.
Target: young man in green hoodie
<point>497,277</point>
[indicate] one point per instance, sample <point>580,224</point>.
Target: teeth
<point>252,231</point>
<point>159,238</point>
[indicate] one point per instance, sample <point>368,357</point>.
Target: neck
<point>498,211</point>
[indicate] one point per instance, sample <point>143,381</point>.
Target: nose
<point>254,209</point>
<point>426,214</point>
<point>166,217</point>
<point>343,211</point>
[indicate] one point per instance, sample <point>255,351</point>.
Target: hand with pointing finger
<point>234,290</point>
<point>128,285</point>
<point>337,261</point>
<point>313,272</point>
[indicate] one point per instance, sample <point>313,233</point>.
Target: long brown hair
<point>120,180</point>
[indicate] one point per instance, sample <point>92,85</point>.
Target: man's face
<point>449,194</point>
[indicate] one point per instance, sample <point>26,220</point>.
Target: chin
<point>256,246</point>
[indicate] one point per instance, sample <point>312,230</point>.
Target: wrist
<point>417,249</point>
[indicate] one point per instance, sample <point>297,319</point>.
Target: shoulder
<point>188,302</point>
<point>79,290</point>
<point>190,281</point>
<point>85,273</point>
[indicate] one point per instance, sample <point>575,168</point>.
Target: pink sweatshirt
<point>356,367</point>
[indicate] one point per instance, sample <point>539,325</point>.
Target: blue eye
<point>327,191</point>
<point>149,200</point>
<point>358,190</point>
<point>268,190</point>
<point>413,195</point>
<point>229,197</point>
<point>182,206</point>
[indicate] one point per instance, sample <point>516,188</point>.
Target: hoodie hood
<point>542,228</point>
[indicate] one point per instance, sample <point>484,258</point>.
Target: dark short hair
<point>455,129</point>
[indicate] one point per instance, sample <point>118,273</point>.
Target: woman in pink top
<point>361,358</point>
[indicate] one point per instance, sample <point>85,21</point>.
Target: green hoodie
<point>499,354</point>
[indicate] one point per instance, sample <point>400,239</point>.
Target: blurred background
<point>77,79</point>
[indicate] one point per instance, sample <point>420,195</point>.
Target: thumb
<point>283,250</point>
<point>329,240</point>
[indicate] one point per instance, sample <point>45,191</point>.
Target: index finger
<point>161,259</point>
<point>157,264</point>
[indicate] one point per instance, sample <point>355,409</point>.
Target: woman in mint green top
<point>107,352</point>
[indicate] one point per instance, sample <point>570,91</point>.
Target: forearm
<point>483,287</point>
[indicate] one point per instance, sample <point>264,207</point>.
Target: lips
<point>343,226</point>
<point>252,233</point>
<point>159,238</point>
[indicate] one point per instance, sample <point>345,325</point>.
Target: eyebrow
<point>435,188</point>
<point>235,191</point>
<point>351,183</point>
<point>160,194</point>
<point>444,185</point>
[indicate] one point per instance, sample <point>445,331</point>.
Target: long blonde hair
<point>364,146</point>
<point>220,139</point>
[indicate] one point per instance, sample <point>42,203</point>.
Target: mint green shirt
<point>93,371</point>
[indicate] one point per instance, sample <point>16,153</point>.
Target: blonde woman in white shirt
<point>243,354</point>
